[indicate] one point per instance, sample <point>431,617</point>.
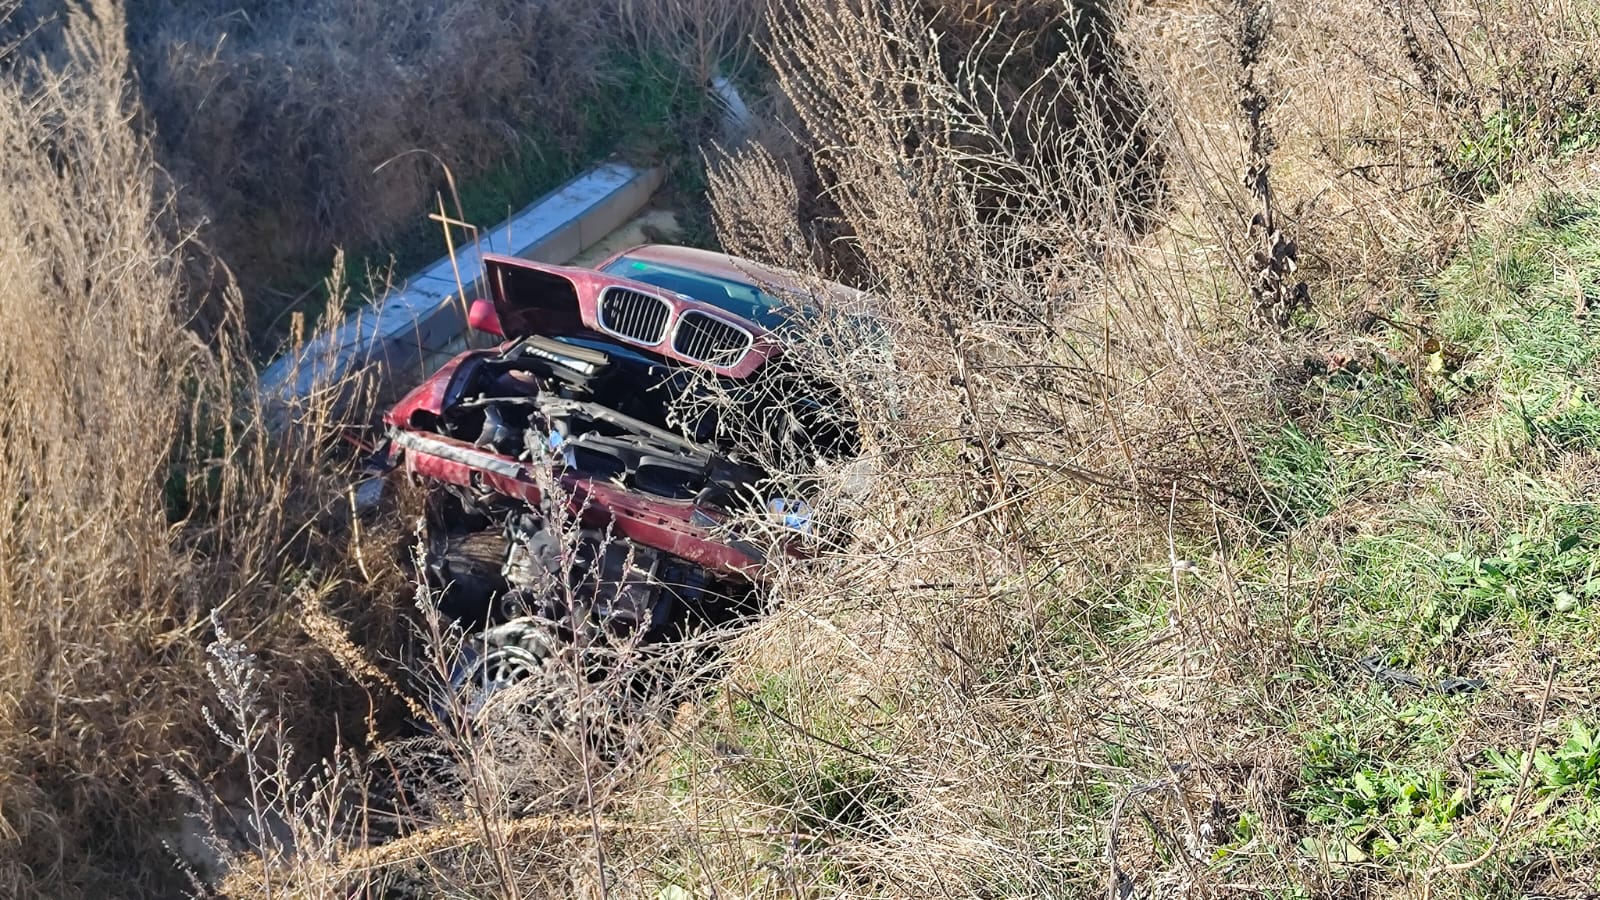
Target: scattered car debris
<point>1376,666</point>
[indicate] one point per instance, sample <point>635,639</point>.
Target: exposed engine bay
<point>494,566</point>
<point>611,415</point>
<point>607,415</point>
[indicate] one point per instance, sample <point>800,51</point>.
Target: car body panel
<point>682,528</point>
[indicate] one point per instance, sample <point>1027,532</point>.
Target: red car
<point>591,472</point>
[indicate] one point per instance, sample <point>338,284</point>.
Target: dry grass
<point>292,124</point>
<point>297,126</point>
<point>1074,649</point>
<point>1076,646</point>
<point>1137,509</point>
<point>94,359</point>
<point>140,491</point>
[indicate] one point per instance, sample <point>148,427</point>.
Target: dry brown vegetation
<point>1077,651</point>
<point>1142,500</point>
<point>140,493</point>
<point>295,127</point>
<point>277,117</point>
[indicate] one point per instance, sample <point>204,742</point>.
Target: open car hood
<point>558,301</point>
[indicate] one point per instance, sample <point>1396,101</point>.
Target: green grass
<point>1376,786</point>
<point>807,764</point>
<point>1526,307</point>
<point>1426,507</point>
<point>822,777</point>
<point>1464,545</point>
<point>1370,785</point>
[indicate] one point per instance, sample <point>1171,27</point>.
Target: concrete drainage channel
<point>399,339</point>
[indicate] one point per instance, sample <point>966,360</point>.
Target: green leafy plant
<point>1573,766</point>
<point>1490,150</point>
<point>1563,784</point>
<point>1533,574</point>
<point>1379,812</point>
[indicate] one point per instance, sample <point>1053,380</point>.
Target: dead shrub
<point>141,491</point>
<point>277,118</point>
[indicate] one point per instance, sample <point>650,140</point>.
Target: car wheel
<point>500,659</point>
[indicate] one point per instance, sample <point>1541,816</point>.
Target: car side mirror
<point>481,316</point>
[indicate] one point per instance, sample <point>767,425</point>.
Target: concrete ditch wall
<point>399,338</point>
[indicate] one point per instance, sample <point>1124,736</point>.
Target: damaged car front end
<point>625,462</point>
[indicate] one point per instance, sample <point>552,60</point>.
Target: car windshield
<point>737,297</point>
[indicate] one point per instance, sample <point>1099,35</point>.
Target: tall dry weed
<point>95,594</point>
<point>287,110</point>
<point>974,699</point>
<point>140,490</point>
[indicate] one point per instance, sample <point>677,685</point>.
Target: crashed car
<point>625,460</point>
